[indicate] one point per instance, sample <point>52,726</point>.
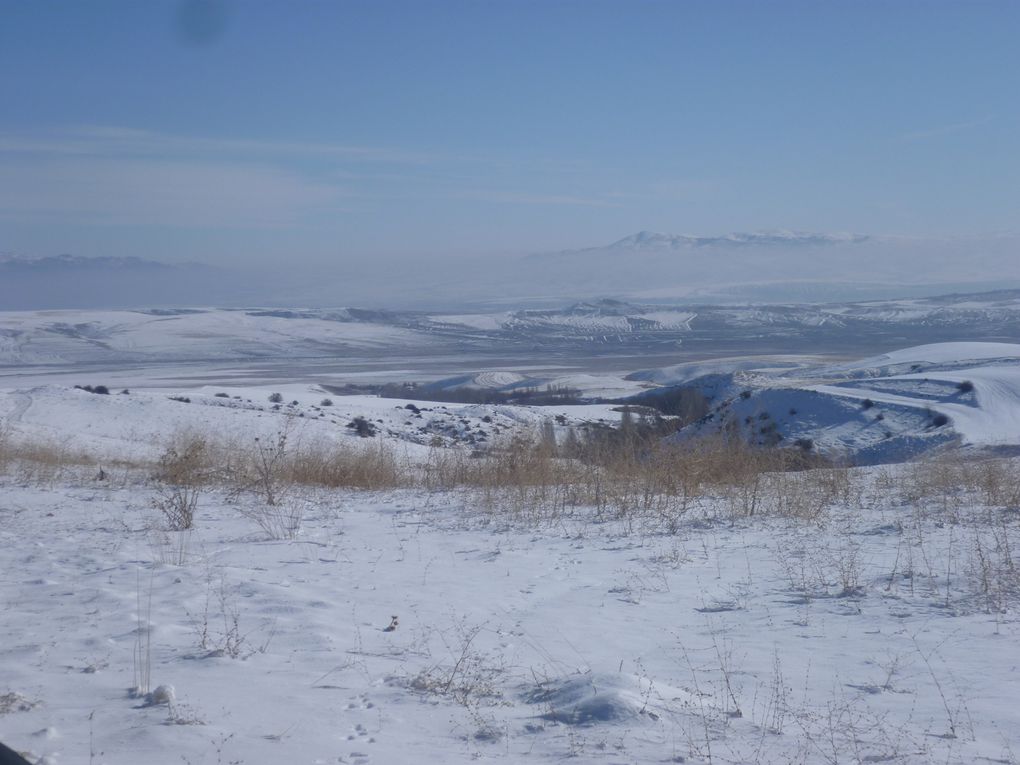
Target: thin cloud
<point>540,199</point>
<point>114,141</point>
<point>149,192</point>
<point>935,132</point>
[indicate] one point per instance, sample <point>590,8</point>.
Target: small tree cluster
<point>100,389</point>
<point>362,427</point>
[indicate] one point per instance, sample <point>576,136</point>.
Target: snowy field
<point>883,630</point>
<point>826,616</point>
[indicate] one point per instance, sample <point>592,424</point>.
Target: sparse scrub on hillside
<point>268,467</point>
<point>333,465</point>
<point>363,427</point>
<point>41,461</point>
<point>630,474</point>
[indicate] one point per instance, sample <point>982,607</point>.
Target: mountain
<point>77,281</point>
<point>56,264</point>
<point>770,266</point>
<point>651,240</point>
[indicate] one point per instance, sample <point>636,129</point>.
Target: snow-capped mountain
<point>651,240</point>
<point>770,266</point>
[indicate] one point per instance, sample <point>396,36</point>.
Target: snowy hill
<point>886,408</point>
<point>556,346</point>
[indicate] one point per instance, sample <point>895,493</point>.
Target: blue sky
<point>334,131</point>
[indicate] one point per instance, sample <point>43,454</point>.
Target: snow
<point>881,628</point>
<point>140,424</point>
<point>880,409</point>
<point>936,353</point>
<point>481,321</point>
<point>992,420</point>
<point>583,638</point>
<point>54,337</point>
<point>679,374</point>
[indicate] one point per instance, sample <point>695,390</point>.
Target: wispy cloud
<point>120,176</point>
<point>152,192</point>
<point>525,198</point>
<point>104,140</point>
<point>106,175</point>
<point>942,130</point>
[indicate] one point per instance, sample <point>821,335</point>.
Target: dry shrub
<point>270,467</point>
<point>188,460</point>
<point>45,461</point>
<point>334,465</point>
<point>280,521</point>
<point>446,469</point>
<point>522,478</point>
<point>950,481</point>
<point>669,479</point>
<point>527,477</point>
<point>938,483</point>
<point>5,439</point>
<point>177,505</point>
<point>991,564</point>
<point>997,481</point>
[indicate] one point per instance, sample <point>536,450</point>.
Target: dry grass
<point>527,477</point>
<point>42,461</point>
<point>331,465</point>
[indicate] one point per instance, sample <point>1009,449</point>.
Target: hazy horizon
<point>363,137</point>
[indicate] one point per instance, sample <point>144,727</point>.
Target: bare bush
<point>335,465</point>
<point>991,565</point>
<point>466,674</point>
<point>177,505</point>
<point>280,521</point>
<point>218,627</point>
<point>5,445</point>
<point>260,468</point>
<point>188,460</point>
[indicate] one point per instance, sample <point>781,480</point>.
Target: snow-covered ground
<point>880,409</point>
<point>865,635</point>
<point>860,615</point>
<point>138,424</point>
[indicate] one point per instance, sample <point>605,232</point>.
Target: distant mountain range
<point>77,281</point>
<point>772,266</point>
<point>776,266</point>
<point>62,263</point>
<point>652,240</point>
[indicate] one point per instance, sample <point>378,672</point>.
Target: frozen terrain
<point>881,409</point>
<point>602,338</point>
<point>870,633</point>
<point>831,615</point>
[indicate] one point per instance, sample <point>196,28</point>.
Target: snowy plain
<point>880,628</point>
